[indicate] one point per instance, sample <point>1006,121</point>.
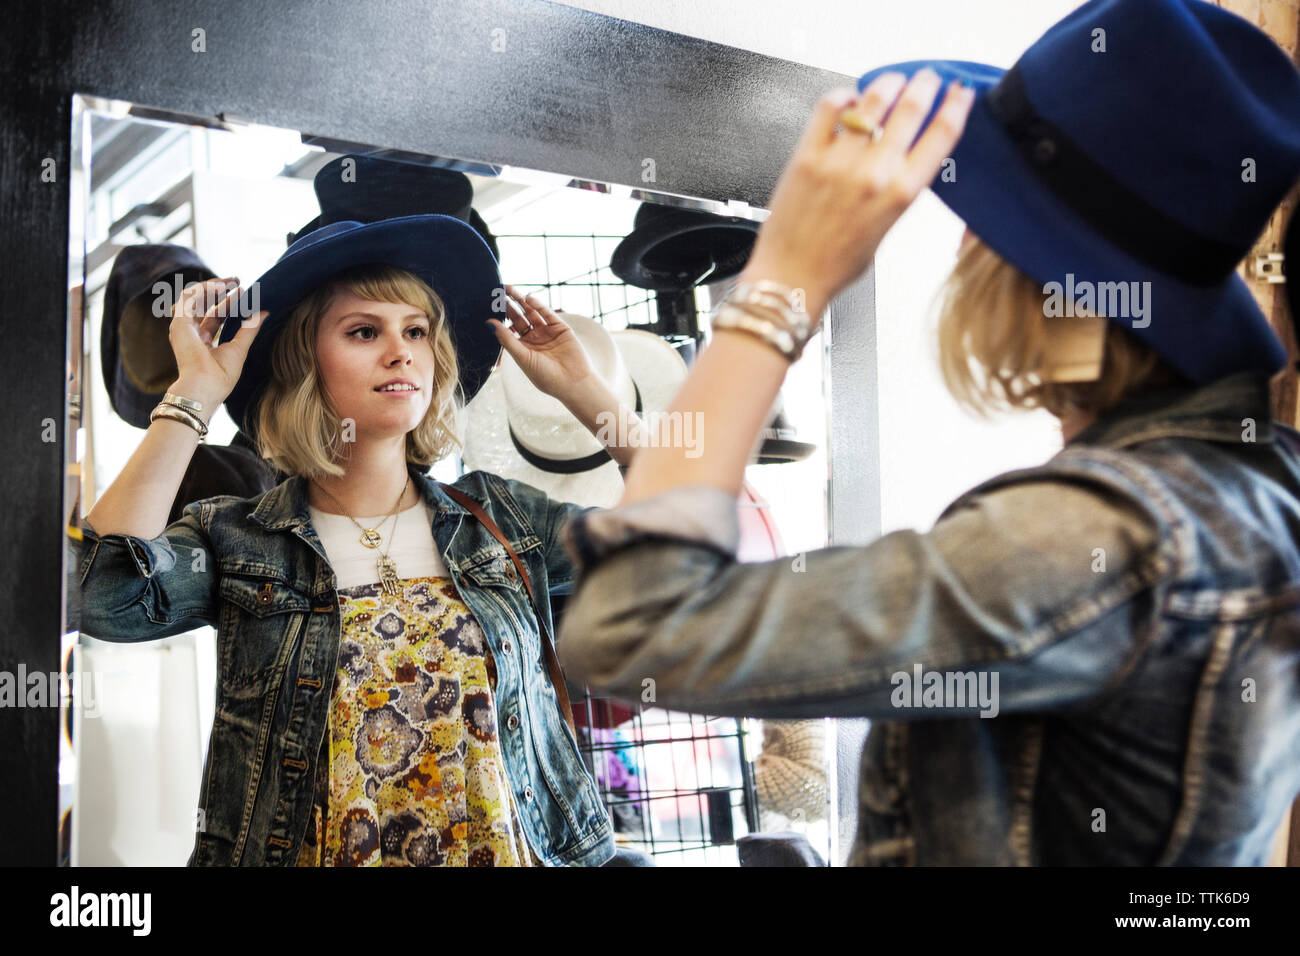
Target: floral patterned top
<point>410,770</point>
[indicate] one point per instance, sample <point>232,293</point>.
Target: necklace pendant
<point>387,574</point>
<point>370,538</point>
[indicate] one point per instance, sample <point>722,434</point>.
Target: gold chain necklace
<point>372,539</point>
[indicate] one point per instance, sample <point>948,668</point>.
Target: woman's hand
<point>208,373</point>
<point>841,191</point>
<point>838,195</point>
<point>546,348</point>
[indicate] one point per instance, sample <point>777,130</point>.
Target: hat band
<point>568,466</point>
<point>1120,214</point>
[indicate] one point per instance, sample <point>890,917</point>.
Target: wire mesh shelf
<point>677,786</point>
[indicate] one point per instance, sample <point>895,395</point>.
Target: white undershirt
<point>412,548</point>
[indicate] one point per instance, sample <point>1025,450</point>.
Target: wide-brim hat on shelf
<point>671,248</point>
<point>1137,141</point>
<point>135,350</point>
<point>361,188</point>
<point>445,252</point>
<point>515,430</point>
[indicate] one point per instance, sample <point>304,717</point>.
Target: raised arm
<point>1006,585</point>
<point>139,500</point>
<point>141,578</point>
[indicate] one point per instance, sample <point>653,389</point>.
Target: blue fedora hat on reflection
<point>1137,141</point>
<point>443,251</point>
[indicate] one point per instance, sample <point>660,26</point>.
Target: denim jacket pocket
<point>491,565</point>
<point>257,617</point>
<point>492,570</point>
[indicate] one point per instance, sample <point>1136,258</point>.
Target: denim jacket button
<point>507,647</point>
<point>528,792</point>
<point>512,722</point>
<point>510,572</point>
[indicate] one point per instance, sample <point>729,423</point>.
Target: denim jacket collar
<point>1213,412</point>
<point>285,506</point>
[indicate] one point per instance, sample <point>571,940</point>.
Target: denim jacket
<point>255,569</point>
<point>1133,604</point>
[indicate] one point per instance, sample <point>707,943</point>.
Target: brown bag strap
<point>548,647</point>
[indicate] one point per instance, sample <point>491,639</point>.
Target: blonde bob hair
<point>997,347</point>
<point>299,432</point>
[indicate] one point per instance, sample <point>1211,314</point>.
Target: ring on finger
<point>854,119</point>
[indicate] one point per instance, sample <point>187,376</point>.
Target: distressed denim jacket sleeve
<point>143,589</point>
<point>1043,583</point>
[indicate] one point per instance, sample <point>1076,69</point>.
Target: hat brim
<point>130,403</point>
<point>783,451</point>
<point>1205,332</point>
<point>443,251</point>
<point>658,370</point>
<point>487,447</point>
<point>630,260</point>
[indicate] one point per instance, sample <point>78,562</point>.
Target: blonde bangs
<point>998,350</point>
<point>298,432</point>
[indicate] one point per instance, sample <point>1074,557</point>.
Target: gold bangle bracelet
<point>176,414</point>
<point>173,411</point>
<point>780,304</point>
<point>171,398</point>
<point>196,417</point>
<point>732,318</point>
<point>765,287</point>
<point>186,410</point>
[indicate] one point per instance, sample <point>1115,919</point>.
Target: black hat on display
<point>780,444</point>
<point>139,366</point>
<point>134,349</point>
<point>671,248</point>
<point>364,189</point>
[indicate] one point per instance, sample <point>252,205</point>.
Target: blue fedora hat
<point>1137,141</point>
<point>443,251</point>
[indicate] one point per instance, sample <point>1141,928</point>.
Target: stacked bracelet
<point>768,311</point>
<point>180,409</point>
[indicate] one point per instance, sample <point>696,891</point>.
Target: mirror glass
<point>137,717</point>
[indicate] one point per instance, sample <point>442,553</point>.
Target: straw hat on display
<point>513,429</point>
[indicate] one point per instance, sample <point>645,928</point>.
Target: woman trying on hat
<point>1093,661</point>
<point>386,690</point>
